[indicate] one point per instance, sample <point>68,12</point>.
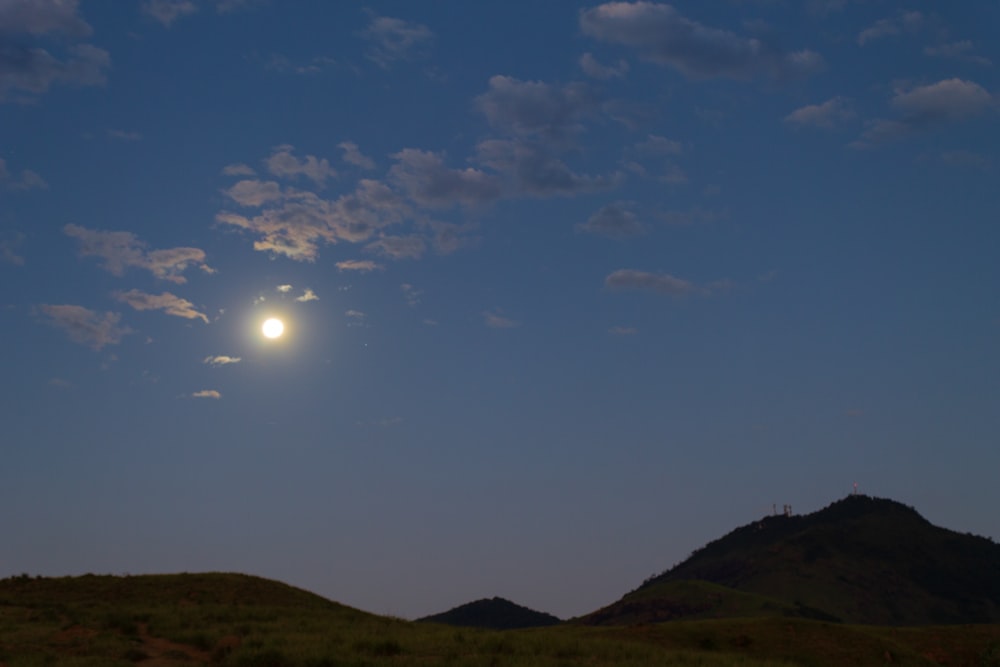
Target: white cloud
<point>121,250</point>
<point>221,360</point>
<point>207,393</point>
<point>393,40</point>
<point>615,220</point>
<point>904,21</point>
<point>238,169</point>
<point>86,326</point>
<point>40,17</point>
<point>35,70</point>
<point>535,108</point>
<point>661,35</point>
<point>427,181</point>
<point>353,156</point>
<point>361,265</point>
<point>948,100</point>
<point>532,170</point>
<point>167,302</point>
<point>294,223</point>
<point>829,114</point>
<point>28,179</point>
<point>168,11</point>
<point>494,319</point>
<point>411,294</point>
<point>960,50</point>
<point>124,135</point>
<point>308,295</point>
<point>283,164</point>
<point>284,289</point>
<point>8,249</point>
<point>662,283</point>
<point>399,247</point>
<point>595,70</point>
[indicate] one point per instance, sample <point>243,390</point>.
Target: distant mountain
<point>859,560</point>
<point>495,613</point>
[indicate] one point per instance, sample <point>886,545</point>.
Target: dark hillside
<point>859,560</point>
<point>496,614</point>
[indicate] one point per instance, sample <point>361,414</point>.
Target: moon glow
<point>272,328</point>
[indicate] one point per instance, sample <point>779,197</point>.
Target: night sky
<point>567,289</point>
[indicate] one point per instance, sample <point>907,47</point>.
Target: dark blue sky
<point>569,289</point>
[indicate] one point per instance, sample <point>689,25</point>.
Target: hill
<point>242,621</point>
<point>495,613</point>
<point>859,560</point>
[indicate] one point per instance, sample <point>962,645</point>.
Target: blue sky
<point>569,289</point>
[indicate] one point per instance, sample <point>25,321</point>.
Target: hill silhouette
<point>860,560</point>
<point>494,613</point>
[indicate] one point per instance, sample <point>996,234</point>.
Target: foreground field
<point>231,619</point>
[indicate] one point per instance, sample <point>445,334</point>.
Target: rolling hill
<point>495,613</point>
<point>860,560</point>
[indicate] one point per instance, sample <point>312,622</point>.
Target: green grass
<point>235,620</point>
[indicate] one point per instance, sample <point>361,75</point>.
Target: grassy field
<point>232,619</point>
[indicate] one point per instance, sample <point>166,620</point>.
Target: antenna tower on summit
<point>855,492</point>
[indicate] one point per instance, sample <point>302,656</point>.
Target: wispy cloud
<point>428,182</point>
<point>411,294</point>
<point>207,393</point>
<point>168,11</point>
<point>283,164</point>
<point>392,40</point>
<point>32,29</point>
<point>360,265</point>
<point>399,247</point>
<point>221,360</point>
<point>167,302</point>
<point>85,326</point>
<point>663,36</point>
<point>615,221</point>
<point>122,250</point>
<point>27,180</point>
<point>922,107</point>
<point>124,135</point>
<point>8,250</point>
<point>238,169</point>
<point>352,155</point>
<point>494,319</point>
<point>958,50</point>
<point>592,68</point>
<point>904,21</point>
<point>661,283</point>
<point>284,289</point>
<point>829,114</point>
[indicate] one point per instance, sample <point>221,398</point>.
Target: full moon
<point>273,328</point>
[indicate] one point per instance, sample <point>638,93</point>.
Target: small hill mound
<point>495,614</point>
<point>860,560</point>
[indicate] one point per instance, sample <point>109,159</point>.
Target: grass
<point>236,620</point>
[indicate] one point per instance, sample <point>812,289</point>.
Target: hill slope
<point>495,613</point>
<point>859,560</point>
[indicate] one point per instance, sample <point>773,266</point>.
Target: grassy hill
<point>242,621</point>
<point>495,613</point>
<point>859,560</point>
